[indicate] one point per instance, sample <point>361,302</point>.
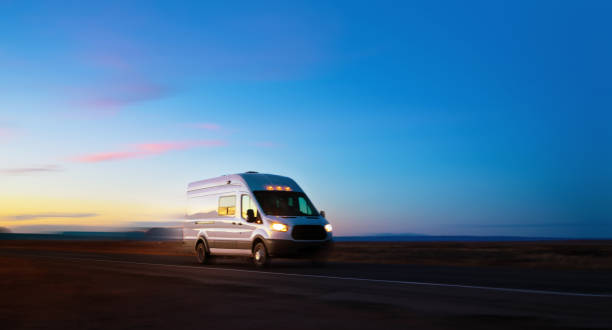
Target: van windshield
<point>285,203</point>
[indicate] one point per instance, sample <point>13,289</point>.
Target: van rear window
<point>227,206</point>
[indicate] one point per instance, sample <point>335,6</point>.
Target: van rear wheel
<point>260,255</point>
<point>201,254</point>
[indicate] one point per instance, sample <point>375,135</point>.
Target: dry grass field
<point>545,254</point>
<point>588,255</point>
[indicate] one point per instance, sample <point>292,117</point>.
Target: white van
<point>256,215</point>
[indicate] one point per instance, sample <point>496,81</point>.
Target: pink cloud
<point>6,134</point>
<point>118,76</point>
<point>113,97</point>
<point>207,126</point>
<point>145,150</point>
<point>117,82</point>
<point>105,156</point>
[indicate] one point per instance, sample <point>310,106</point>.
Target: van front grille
<point>308,232</point>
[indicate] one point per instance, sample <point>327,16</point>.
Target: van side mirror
<point>251,216</point>
<point>322,214</point>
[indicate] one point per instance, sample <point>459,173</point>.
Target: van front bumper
<point>290,248</point>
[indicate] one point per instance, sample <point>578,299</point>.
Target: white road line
<point>444,285</point>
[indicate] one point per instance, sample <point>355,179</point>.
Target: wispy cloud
<point>5,133</point>
<point>111,98</point>
<point>118,79</point>
<point>146,149</point>
<point>265,144</point>
<point>37,216</point>
<point>30,170</point>
<point>206,126</point>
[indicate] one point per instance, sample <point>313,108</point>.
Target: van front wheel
<point>260,255</point>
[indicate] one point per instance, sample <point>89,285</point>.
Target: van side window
<point>227,206</point>
<point>247,203</point>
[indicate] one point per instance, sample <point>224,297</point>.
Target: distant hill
<point>427,238</point>
<point>163,234</point>
<point>151,234</point>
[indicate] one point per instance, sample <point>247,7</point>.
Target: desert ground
<point>567,254</point>
<point>158,285</point>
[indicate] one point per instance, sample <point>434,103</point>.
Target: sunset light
<point>305,165</point>
<point>421,119</point>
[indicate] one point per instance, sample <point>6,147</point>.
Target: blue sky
<point>475,118</point>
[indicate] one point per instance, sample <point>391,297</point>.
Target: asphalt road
<point>174,291</point>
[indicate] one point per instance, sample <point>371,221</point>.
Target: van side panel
<point>203,207</point>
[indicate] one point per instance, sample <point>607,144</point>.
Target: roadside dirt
<point>587,255</point>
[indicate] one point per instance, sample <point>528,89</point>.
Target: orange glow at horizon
<point>49,211</point>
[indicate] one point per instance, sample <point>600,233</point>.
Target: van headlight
<point>279,226</point>
<point>328,228</point>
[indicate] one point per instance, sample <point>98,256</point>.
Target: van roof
<point>254,181</point>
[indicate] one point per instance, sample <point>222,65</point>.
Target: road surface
<point>47,289</point>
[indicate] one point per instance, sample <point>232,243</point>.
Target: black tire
<point>260,255</point>
<point>202,254</point>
